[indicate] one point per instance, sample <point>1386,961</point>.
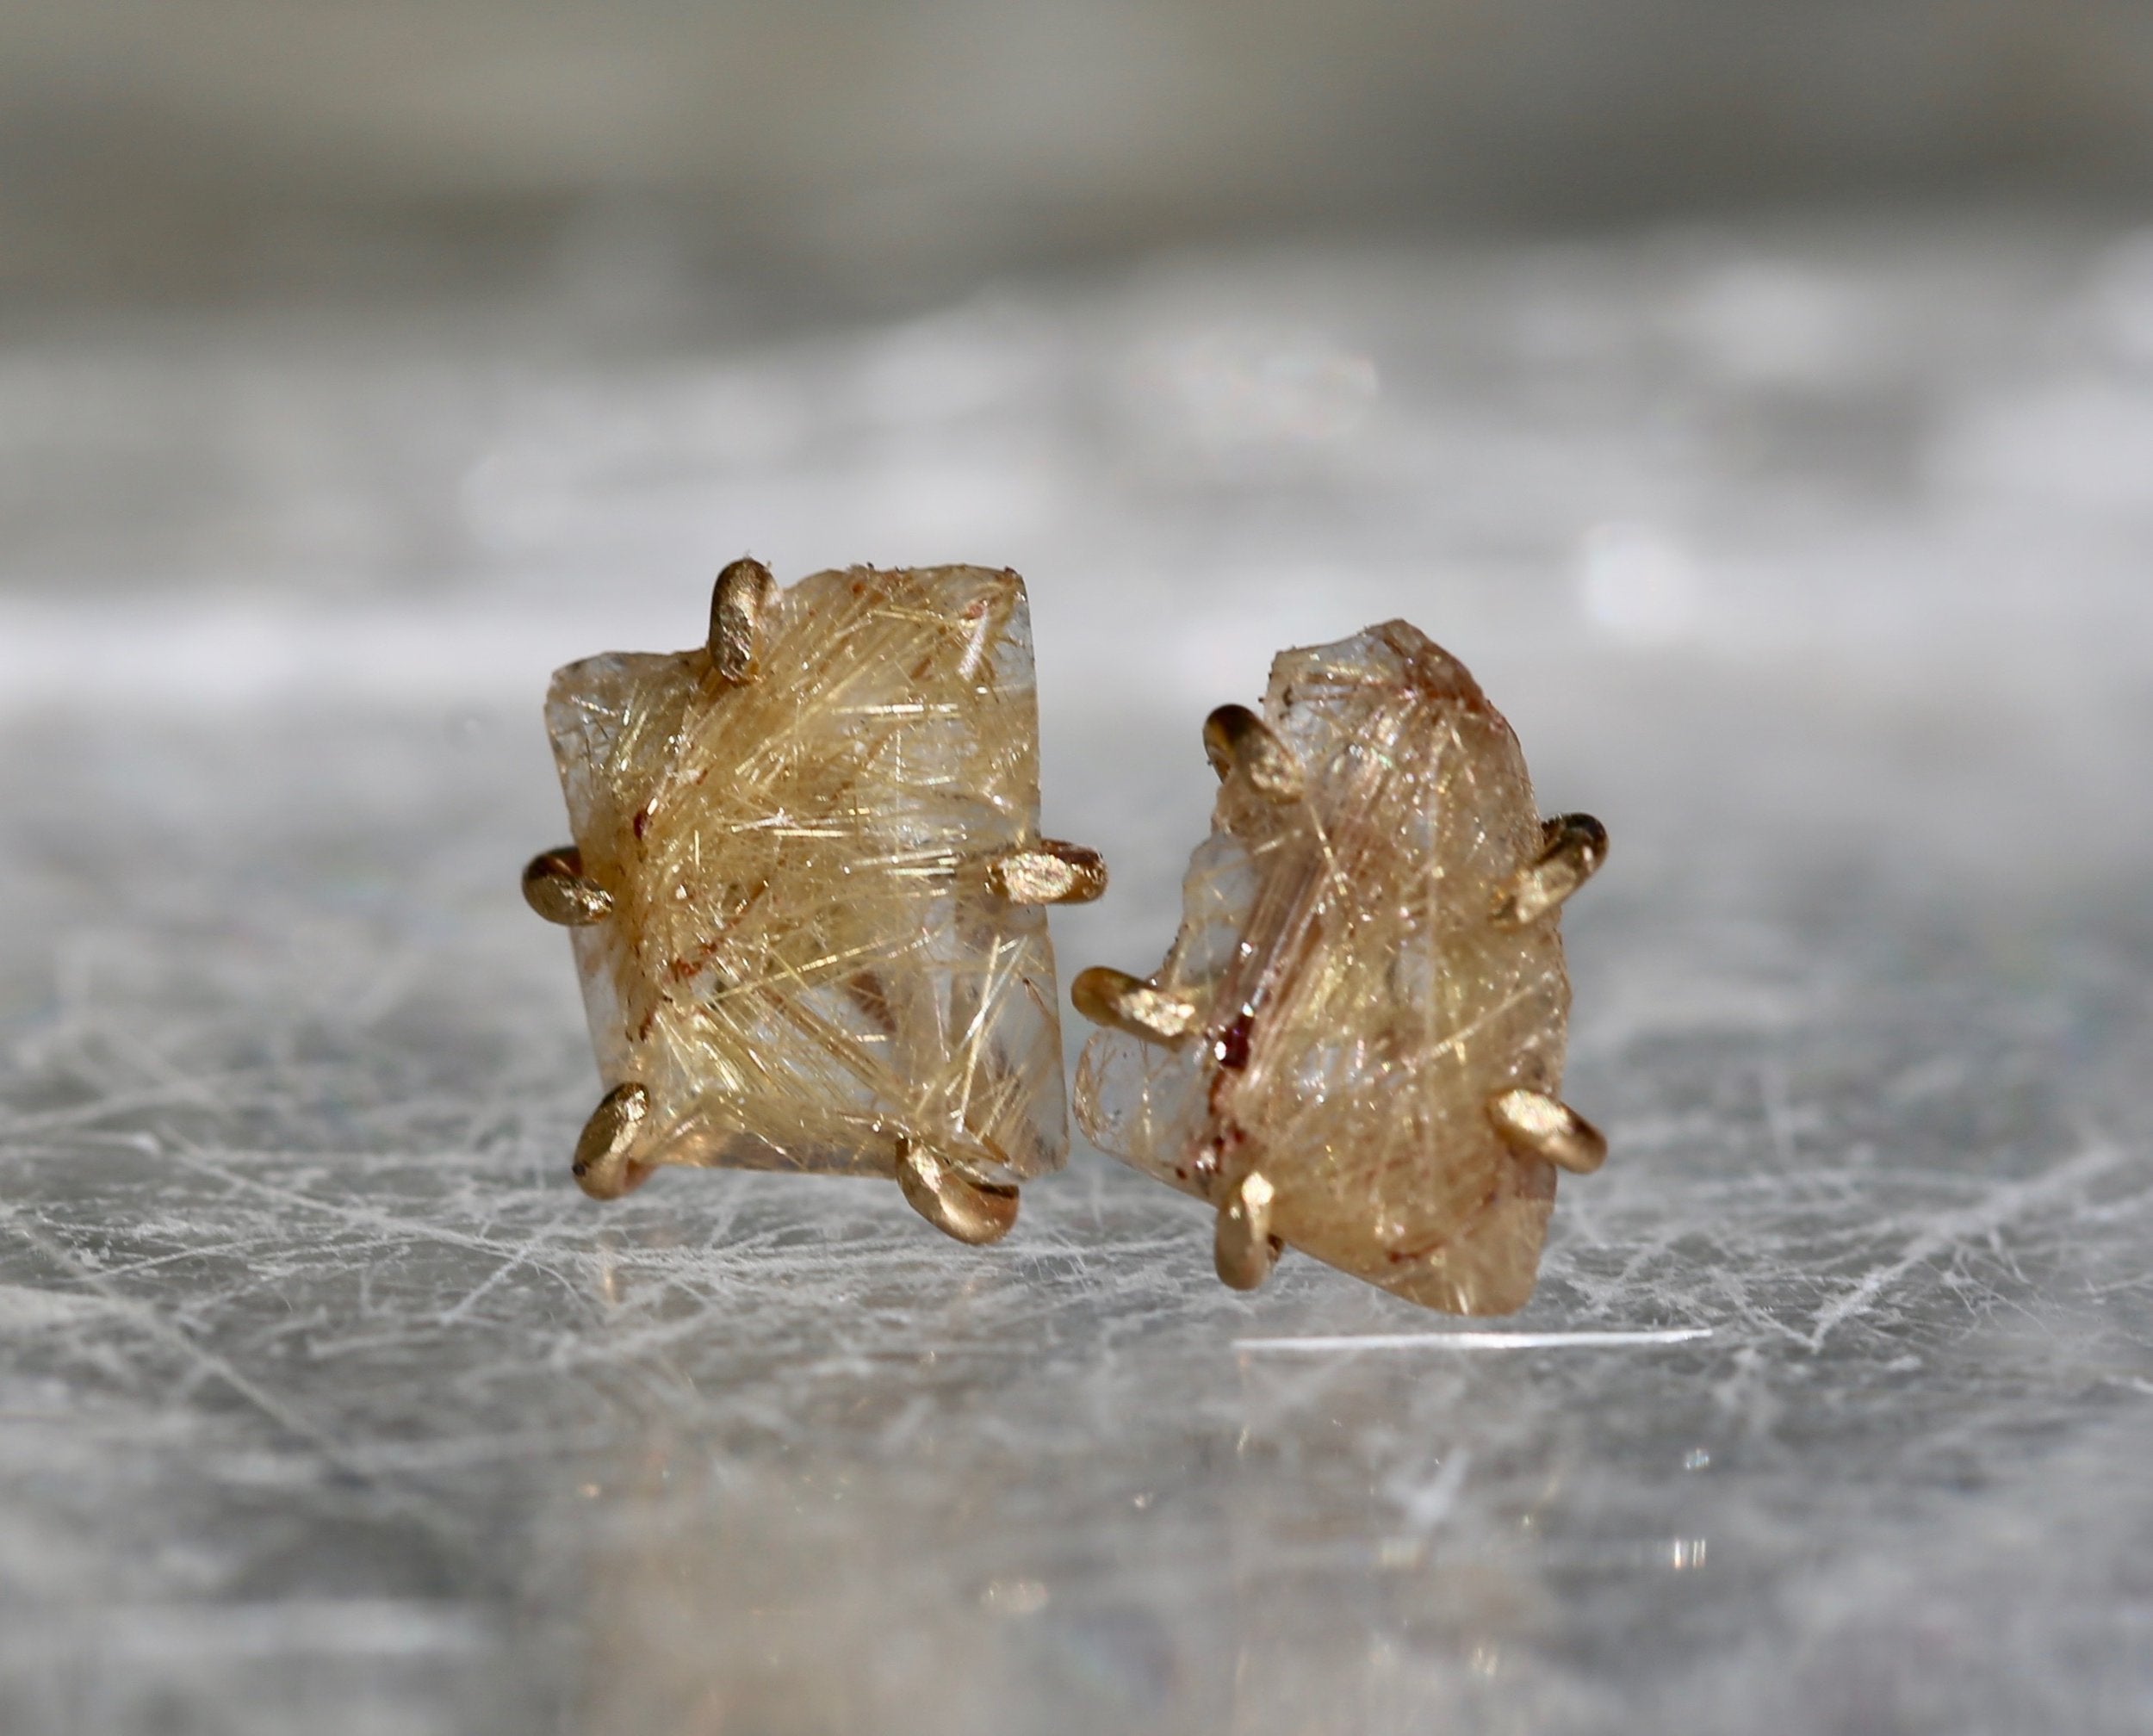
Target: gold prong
<point>555,886</point>
<point>974,1212</point>
<point>1244,1250</point>
<point>1538,1125</point>
<point>602,1168</point>
<point>738,603</point>
<point>1235,737</point>
<point>1114,998</point>
<point>1049,872</point>
<point>1571,848</point>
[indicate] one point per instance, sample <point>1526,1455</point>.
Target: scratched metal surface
<point>1814,561</point>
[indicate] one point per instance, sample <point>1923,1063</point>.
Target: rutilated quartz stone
<point>788,838</point>
<point>1371,1030</point>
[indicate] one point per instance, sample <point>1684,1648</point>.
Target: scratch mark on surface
<point>2002,1203</point>
<point>1474,1341</point>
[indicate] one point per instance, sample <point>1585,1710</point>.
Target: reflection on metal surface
<point>1050,872</point>
<point>1114,998</point>
<point>1574,845</point>
<point>555,886</point>
<point>1237,740</point>
<point>1543,1126</point>
<point>601,1165</point>
<point>738,602</point>
<point>1244,1250</point>
<point>972,1212</point>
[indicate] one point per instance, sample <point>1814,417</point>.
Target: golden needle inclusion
<point>805,891</point>
<point>1354,1045</point>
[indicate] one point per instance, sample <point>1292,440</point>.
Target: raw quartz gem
<point>804,961</point>
<point>1358,1007</point>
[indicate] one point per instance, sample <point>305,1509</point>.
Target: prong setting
<point>1244,1248</point>
<point>1373,964</point>
<point>1123,1002</point>
<point>1237,740</point>
<point>1050,872</point>
<point>1535,1125</point>
<point>602,1168</point>
<point>796,819</point>
<point>1571,848</point>
<point>555,886</point>
<point>738,603</point>
<point>963,1208</point>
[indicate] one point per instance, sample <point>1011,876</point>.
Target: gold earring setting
<point>806,891</point>
<point>1355,1046</point>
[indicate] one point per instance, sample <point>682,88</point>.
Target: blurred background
<point>835,156</point>
<point>1757,396</point>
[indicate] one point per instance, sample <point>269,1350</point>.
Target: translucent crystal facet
<point>805,962</point>
<point>1358,1006</point>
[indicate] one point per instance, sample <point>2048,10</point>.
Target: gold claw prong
<point>555,886</point>
<point>1244,1250</point>
<point>602,1168</point>
<point>1116,998</point>
<point>971,1211</point>
<point>1048,872</point>
<point>1538,1125</point>
<point>1235,738</point>
<point>738,602</point>
<point>1571,848</point>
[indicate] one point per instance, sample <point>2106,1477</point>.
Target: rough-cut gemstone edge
<point>1169,1092</point>
<point>686,1139</point>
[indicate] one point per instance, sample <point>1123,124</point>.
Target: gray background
<point>1759,398</point>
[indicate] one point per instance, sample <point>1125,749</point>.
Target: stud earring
<point>1354,1045</point>
<point>806,888</point>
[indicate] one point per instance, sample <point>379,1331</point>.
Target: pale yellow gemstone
<point>803,962</point>
<point>1359,1007</point>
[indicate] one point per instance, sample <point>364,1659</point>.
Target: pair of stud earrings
<point>807,895</point>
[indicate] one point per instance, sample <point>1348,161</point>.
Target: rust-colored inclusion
<point>1358,1004</point>
<point>805,963</point>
